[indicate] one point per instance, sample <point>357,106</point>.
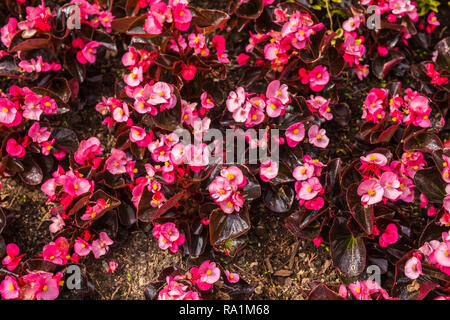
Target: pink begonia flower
<point>87,54</point>
<point>58,224</point>
<point>116,163</point>
<point>75,186</point>
<point>254,117</point>
<point>390,236</point>
<point>318,241</point>
<point>130,57</point>
<point>15,149</point>
<point>390,183</point>
<point>234,176</point>
<point>442,254</point>
<point>318,137</point>
<point>413,268</point>
<point>106,19</point>
<point>318,78</point>
<point>201,127</point>
<point>207,101</point>
<point>343,291</point>
<point>268,170</point>
<point>152,25</point>
<point>9,288</point>
<point>38,134</point>
<point>8,31</point>
<point>303,172</point>
<point>359,290</point>
<point>169,237</point>
<point>274,107</point>
<point>235,99</point>
<point>134,78</point>
<point>232,277</point>
<point>49,290</point>
<point>100,246</point>
<point>112,266</point>
<point>182,17</point>
<point>362,71</point>
<point>309,189</point>
<point>188,72</point>
<point>197,156</point>
<point>87,150</point>
<point>243,59</point>
<point>383,51</point>
<point>31,107</point>
<point>223,58</point>
<point>277,90</point>
<point>370,192</point>
<point>8,111</point>
<point>209,272</point>
<point>433,22</point>
<point>12,258</point>
<point>351,24</point>
<point>220,189</point>
<point>375,158</point>
<point>196,41</point>
<point>137,134</point>
<point>81,247</point>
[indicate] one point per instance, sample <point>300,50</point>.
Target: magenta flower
<point>81,247</point>
<point>390,235</point>
<point>8,31</point>
<point>74,185</point>
<point>112,266</point>
<point>100,246</point>
<point>295,133</point>
<point>117,162</point>
<point>7,111</point>
<point>182,17</point>
<point>232,277</point>
<point>207,101</point>
<point>188,72</point>
<point>12,258</point>
<point>169,237</point>
<point>268,170</point>
<point>209,272</point>
<point>413,268</point>
<point>87,54</point>
<point>9,288</point>
<point>220,189</point>
<point>318,137</point>
<point>105,19</point>
<point>152,25</point>
<point>38,134</point>
<point>15,149</point>
<point>371,192</point>
<point>277,90</point>
<point>318,78</point>
<point>87,150</point>
<point>130,57</point>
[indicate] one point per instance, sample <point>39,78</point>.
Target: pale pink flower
<point>209,272</point>
<point>9,288</point>
<point>413,268</point>
<point>232,277</point>
<point>101,245</point>
<point>318,137</point>
<point>268,170</point>
<point>370,191</point>
<point>277,90</point>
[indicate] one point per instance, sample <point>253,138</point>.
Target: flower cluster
<point>412,108</point>
<point>252,109</point>
<point>308,186</point>
<point>99,247</point>
<point>175,12</point>
<point>435,76</point>
<point>169,237</point>
<point>317,77</point>
<point>295,34</point>
<point>226,189</point>
<point>388,182</point>
<point>435,252</point>
<point>365,290</point>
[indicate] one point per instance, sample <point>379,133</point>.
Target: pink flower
<point>8,111</point>
<point>182,17</point>
<point>169,237</point>
<point>318,78</point>
<point>362,71</point>
<point>374,158</point>
<point>390,183</point>
<point>351,24</point>
<point>74,185</point>
<point>152,25</point>
<point>100,246</point>
<point>242,59</point>
<point>318,241</point>
<point>279,91</point>
<point>370,191</point>
<point>318,137</point>
<point>117,162</point>
<point>49,289</point>
<point>383,51</point>
<point>235,99</point>
<point>38,134</point>
<point>209,272</point>
<point>87,150</point>
<point>87,54</point>
<point>268,170</point>
<point>58,224</point>
<point>9,288</point>
<point>232,277</point>
<point>81,247</point>
<point>295,133</point>
<point>8,31</point>
<point>112,266</point>
<point>220,189</point>
<point>12,258</point>
<point>234,176</point>
<point>134,78</point>
<point>442,254</point>
<point>413,268</point>
<point>188,72</point>
<point>303,172</point>
<point>15,149</point>
<point>309,189</point>
<point>274,107</point>
<point>105,19</point>
<point>137,134</point>
<point>207,101</point>
<point>130,58</point>
<point>390,235</point>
